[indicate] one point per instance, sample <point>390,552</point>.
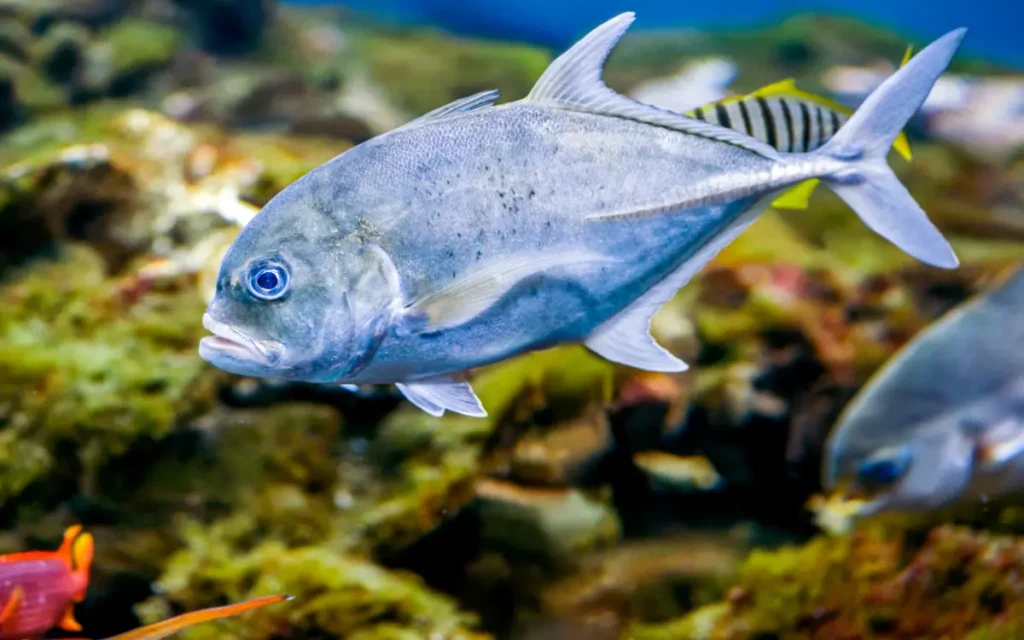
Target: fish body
<point>478,232</point>
<point>943,421</point>
<point>38,589</point>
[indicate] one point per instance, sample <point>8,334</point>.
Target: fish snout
<point>229,341</point>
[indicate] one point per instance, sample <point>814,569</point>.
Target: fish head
<point>918,468</point>
<point>296,298</point>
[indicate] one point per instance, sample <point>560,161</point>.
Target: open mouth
<point>229,341</point>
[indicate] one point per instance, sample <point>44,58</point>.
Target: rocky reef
<point>596,501</point>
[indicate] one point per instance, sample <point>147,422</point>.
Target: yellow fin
<point>68,622</point>
<point>797,197</point>
<point>906,56</point>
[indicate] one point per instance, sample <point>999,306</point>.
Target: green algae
<point>960,583</point>
<point>140,45</point>
<point>336,594</point>
<point>422,70</point>
<point>85,366</point>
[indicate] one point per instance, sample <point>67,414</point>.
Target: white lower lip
<point>225,344</point>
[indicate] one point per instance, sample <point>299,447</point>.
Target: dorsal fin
<point>573,81</point>
<point>66,546</point>
<point>469,103</point>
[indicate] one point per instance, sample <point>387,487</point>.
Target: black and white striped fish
<point>783,116</point>
<point>789,119</point>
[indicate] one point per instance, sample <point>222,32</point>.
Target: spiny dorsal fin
<point>573,81</point>
<point>469,103</point>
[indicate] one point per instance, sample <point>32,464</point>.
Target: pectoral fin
<point>443,393</point>
<point>472,295</point>
<point>1001,443</point>
<point>165,628</point>
<point>11,606</point>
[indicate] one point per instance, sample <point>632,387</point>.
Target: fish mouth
<point>228,341</point>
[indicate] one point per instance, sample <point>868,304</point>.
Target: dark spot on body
<point>501,194</point>
<point>479,254</point>
<point>532,193</point>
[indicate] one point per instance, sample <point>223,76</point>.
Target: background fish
<point>478,232</point>
<point>944,420</point>
<point>696,84</point>
<point>789,119</point>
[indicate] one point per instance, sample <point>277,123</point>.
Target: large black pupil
<point>267,280</point>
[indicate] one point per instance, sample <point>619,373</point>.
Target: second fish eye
<point>882,471</point>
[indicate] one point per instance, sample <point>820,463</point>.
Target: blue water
<point>996,26</point>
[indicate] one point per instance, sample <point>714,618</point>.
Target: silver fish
<point>943,421</point>
<point>478,232</point>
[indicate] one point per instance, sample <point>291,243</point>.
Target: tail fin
<point>868,185</point>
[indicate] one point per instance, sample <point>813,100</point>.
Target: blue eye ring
<point>269,280</point>
<point>884,470</point>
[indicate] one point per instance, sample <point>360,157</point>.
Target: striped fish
<point>789,119</point>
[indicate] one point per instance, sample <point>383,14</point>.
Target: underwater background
<point>595,501</point>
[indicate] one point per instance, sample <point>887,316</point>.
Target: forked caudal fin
<point>867,183</point>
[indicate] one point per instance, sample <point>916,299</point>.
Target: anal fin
<point>625,338</point>
<point>443,393</point>
<point>628,341</point>
<point>68,622</point>
<point>798,197</point>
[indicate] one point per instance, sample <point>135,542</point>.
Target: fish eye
<point>268,280</point>
<point>883,470</point>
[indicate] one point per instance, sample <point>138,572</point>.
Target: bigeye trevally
<point>478,232</point>
<point>943,421</point>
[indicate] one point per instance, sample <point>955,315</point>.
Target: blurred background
<point>596,501</point>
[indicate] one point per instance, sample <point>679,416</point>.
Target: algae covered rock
<point>422,70</point>
<point>960,583</point>
<point>85,365</point>
<point>336,594</point>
